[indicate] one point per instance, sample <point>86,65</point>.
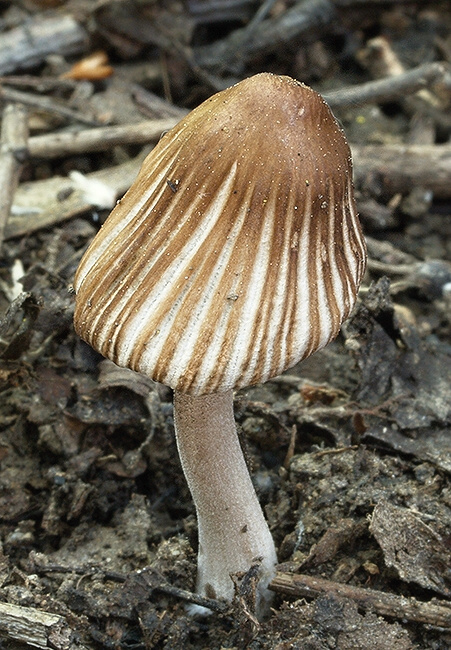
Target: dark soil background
<point>350,452</point>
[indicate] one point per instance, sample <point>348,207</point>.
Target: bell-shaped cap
<point>237,252</point>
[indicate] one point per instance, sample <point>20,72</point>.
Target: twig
<point>13,153</point>
<point>176,592</point>
<point>53,145</point>
<point>385,251</point>
<point>382,62</point>
<point>36,628</point>
<point>57,144</point>
<point>399,168</point>
<point>388,88</point>
<point>154,106</point>
<point>101,138</point>
<point>258,17</point>
<point>335,452</point>
<point>44,104</point>
<point>42,84</point>
<point>28,45</point>
<point>233,52</point>
<point>172,45</point>
<point>40,204</point>
<point>113,576</point>
<point>224,10</point>
<point>190,597</point>
<point>391,269</point>
<point>436,613</point>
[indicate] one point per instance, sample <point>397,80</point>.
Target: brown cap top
<point>237,252</point>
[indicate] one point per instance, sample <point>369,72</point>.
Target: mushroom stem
<point>233,532</point>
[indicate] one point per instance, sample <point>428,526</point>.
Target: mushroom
<point>236,253</point>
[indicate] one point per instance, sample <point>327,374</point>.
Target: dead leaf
<point>412,547</point>
<point>92,68</point>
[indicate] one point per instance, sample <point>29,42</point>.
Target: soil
<point>350,452</point>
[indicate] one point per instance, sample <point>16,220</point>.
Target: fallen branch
<point>102,138</point>
<point>41,204</point>
<point>36,628</point>
<point>13,153</point>
<point>46,104</point>
<point>28,45</point>
<point>432,612</point>
<point>305,20</point>
<point>53,145</point>
<point>397,168</point>
<point>387,89</point>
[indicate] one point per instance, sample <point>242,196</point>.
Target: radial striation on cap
<point>237,252</point>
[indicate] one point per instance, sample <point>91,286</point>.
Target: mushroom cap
<point>237,251</point>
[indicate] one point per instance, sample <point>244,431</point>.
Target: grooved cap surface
<point>237,252</point>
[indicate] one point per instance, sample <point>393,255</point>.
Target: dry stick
<point>172,45</point>
<point>44,104</point>
<point>259,15</point>
<point>41,204</point>
<point>13,153</point>
<point>36,628</point>
<point>28,45</point>
<point>383,250</point>
<point>399,167</point>
<point>60,144</point>
<point>196,599</point>
<point>391,269</point>
<point>232,53</point>
<point>99,139</point>
<point>435,613</point>
<point>383,62</point>
<point>153,106</point>
<point>389,88</point>
<point>247,34</point>
<point>304,21</point>
<point>42,84</point>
